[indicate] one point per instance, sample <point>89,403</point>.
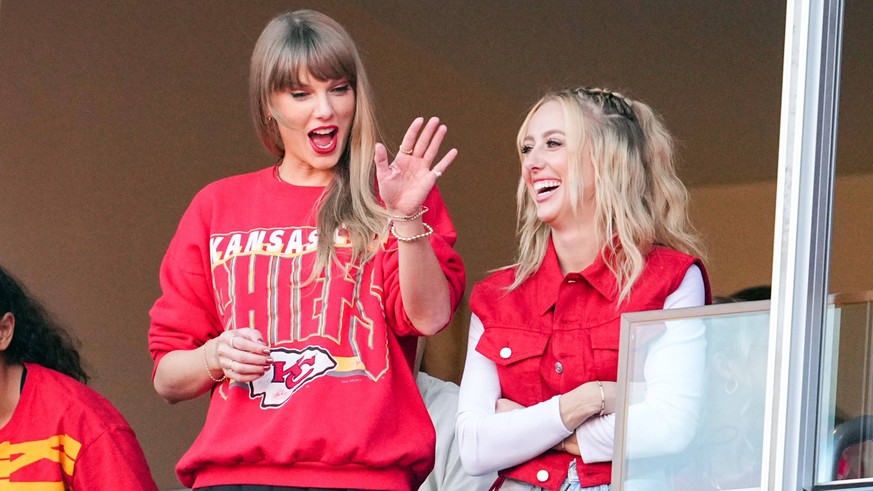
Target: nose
<point>323,107</point>
<point>531,162</point>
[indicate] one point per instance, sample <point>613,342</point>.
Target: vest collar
<point>545,283</point>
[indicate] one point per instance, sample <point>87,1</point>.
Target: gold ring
<point>438,173</point>
<point>402,150</point>
<point>231,365</point>
<point>232,339</point>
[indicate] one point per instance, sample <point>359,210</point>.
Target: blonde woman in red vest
<point>603,230</point>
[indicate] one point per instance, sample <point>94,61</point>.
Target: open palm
<point>405,183</point>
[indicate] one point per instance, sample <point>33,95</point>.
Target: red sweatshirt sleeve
<point>442,240</point>
<point>185,316</point>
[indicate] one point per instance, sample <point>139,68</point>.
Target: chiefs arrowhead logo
<point>292,369</point>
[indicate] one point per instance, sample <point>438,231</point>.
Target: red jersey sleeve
<point>113,461</point>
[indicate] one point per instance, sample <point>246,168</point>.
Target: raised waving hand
<point>405,183</point>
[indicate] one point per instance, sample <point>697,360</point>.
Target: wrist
<point>410,227</point>
<point>400,215</point>
<point>409,235</point>
<point>210,353</point>
<point>602,398</point>
<point>580,404</point>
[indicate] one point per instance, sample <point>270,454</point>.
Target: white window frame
<point>802,239</point>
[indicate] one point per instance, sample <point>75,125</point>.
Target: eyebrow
<point>547,134</point>
<point>334,81</point>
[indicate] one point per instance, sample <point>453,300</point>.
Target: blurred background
<point>114,114</point>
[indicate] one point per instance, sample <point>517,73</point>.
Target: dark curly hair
<point>37,337</point>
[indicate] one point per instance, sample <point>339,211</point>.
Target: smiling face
<point>545,167</point>
<point>314,118</point>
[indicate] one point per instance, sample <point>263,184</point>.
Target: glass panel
<point>691,415</point>
<point>844,451</point>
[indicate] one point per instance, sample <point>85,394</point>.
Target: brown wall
<point>737,223</point>
<point>113,114</point>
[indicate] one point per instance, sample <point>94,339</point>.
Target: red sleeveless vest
<point>562,331</point>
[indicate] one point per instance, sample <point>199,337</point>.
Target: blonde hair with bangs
<point>639,200</point>
<point>308,41</point>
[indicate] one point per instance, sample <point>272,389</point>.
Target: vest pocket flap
<point>605,337</point>
<point>506,345</point>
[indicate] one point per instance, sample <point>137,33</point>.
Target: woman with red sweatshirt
<point>294,294</point>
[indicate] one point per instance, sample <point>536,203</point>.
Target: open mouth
<point>545,188</point>
<point>323,139</point>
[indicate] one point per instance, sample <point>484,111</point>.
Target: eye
<point>525,149</point>
<point>298,94</point>
<point>342,89</point>
<point>552,143</point>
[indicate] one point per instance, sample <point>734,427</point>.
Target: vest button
<point>559,367</point>
<point>542,475</point>
<point>506,352</point>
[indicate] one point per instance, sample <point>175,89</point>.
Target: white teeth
<point>540,185</point>
<point>323,131</point>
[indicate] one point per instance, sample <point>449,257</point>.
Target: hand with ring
<point>405,183</point>
<point>243,355</point>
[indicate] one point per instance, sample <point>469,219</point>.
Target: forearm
<point>488,441</point>
<point>492,441</point>
<point>581,403</point>
<point>665,420</point>
<point>423,285</point>
<point>182,375</point>
<point>595,439</point>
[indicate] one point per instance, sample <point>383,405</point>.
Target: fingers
<point>246,340</point>
<point>571,445</point>
<point>244,370</point>
<point>430,139</point>
<point>409,138</point>
<point>243,355</point>
<point>445,162</point>
<point>425,145</point>
<point>380,157</point>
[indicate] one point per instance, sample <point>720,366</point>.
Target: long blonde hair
<point>639,200</point>
<point>308,41</point>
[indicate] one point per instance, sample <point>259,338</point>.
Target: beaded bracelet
<point>602,398</point>
<point>427,231</point>
<point>208,370</point>
<point>406,218</point>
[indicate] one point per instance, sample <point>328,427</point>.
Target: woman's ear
<point>7,329</point>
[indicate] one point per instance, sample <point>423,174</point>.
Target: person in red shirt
<point>56,433</point>
<point>294,295</point>
<point>603,230</point>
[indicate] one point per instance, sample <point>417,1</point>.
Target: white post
<point>807,146</point>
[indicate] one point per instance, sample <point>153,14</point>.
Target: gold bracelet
<point>406,218</point>
<point>427,231</point>
<point>208,370</point>
<point>602,398</point>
